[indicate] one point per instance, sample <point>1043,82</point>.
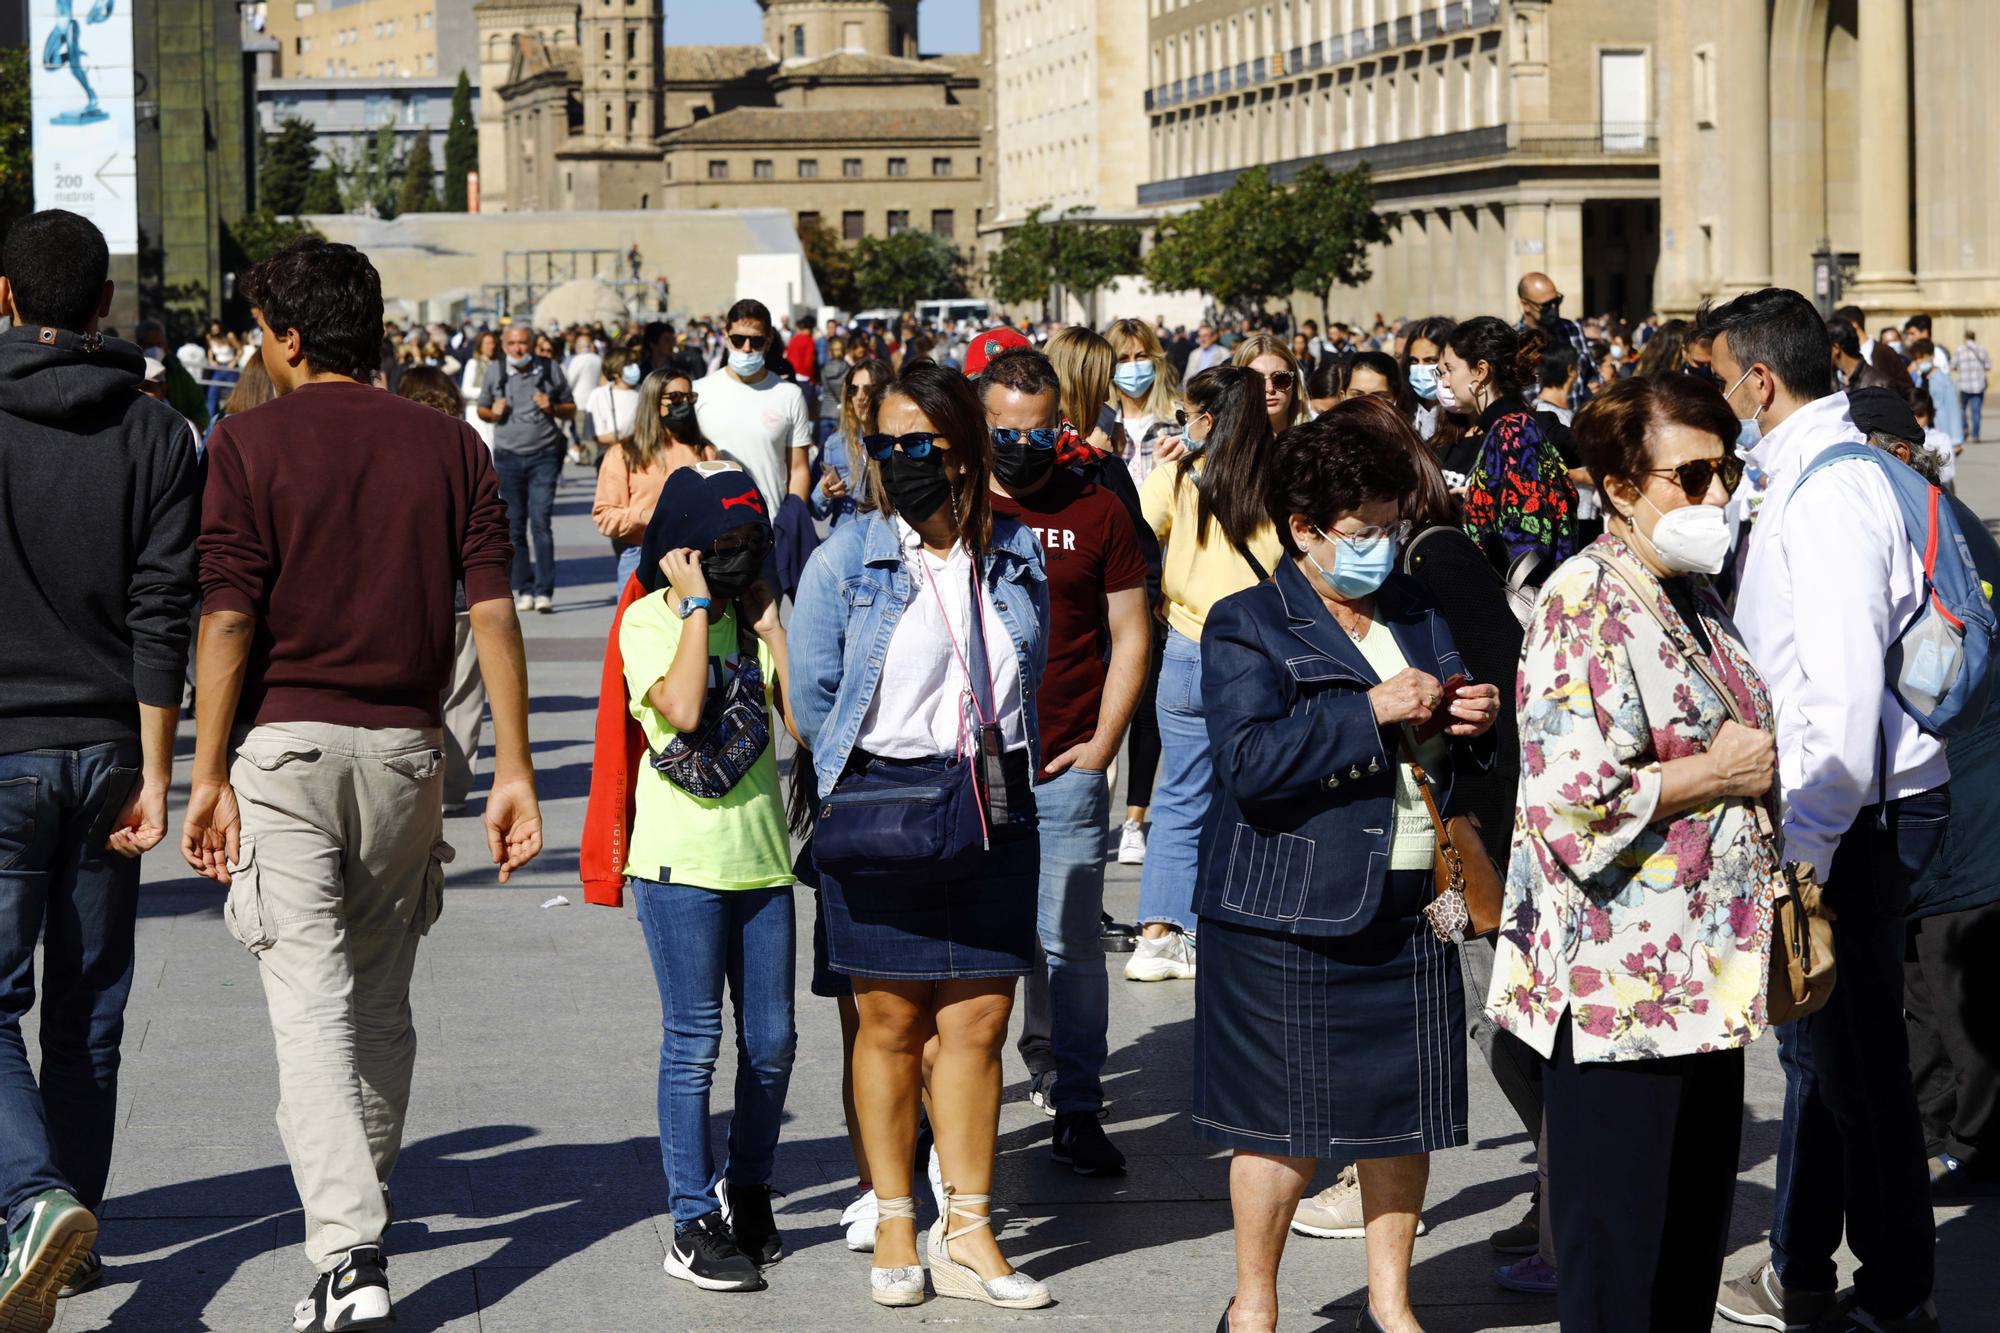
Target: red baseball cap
<point>989,343</point>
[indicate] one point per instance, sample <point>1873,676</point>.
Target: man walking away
<point>318,771</point>
<point>1830,581</point>
<point>1970,366</point>
<point>98,500</point>
<point>527,399</point>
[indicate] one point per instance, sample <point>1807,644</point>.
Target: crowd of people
<point>1582,693</point>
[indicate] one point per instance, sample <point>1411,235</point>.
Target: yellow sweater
<point>1197,574</point>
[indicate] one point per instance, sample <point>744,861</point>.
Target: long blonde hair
<point>649,428</point>
<point>852,425</point>
<point>1083,363</point>
<point>1270,344</point>
<point>1165,394</point>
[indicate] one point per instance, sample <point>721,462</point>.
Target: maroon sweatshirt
<point>340,517</point>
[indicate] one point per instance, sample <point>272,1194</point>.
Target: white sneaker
<point>545,603</point>
<point>524,601</point>
<point>859,1218</point>
<point>353,1294</point>
<point>1042,1092</point>
<point>1168,958</point>
<point>1132,844</point>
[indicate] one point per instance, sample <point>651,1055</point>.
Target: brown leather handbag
<point>1467,901</point>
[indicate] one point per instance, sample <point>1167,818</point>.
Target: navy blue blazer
<point>1303,808</point>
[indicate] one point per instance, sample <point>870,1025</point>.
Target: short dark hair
<point>1854,315</point>
<point>1334,463</point>
<point>1558,364</point>
<point>332,295</point>
<point>57,262</point>
<point>1918,321</point>
<point>654,328</point>
<point>748,309</point>
<point>1779,328</point>
<point>808,322</point>
<point>1843,337</point>
<point>1921,404</point>
<point>1612,429</point>
<point>1024,370</point>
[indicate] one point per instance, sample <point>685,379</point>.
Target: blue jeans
<point>528,485</point>
<point>698,939</point>
<point>221,383</point>
<point>628,564</point>
<point>61,886</point>
<point>1972,403</point>
<point>1180,792</point>
<point>1852,1145</point>
<point>1067,1007</point>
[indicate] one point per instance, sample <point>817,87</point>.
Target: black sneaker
<point>747,1210</point>
<point>703,1253</point>
<point>352,1295</point>
<point>1116,936</point>
<point>1525,1236</point>
<point>1079,1143</point>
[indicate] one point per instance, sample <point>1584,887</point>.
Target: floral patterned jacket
<point>1518,496</point>
<point>1653,936</point>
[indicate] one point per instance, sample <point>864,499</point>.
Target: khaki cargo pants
<point>342,871</point>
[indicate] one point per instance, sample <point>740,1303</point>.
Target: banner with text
<point>81,86</point>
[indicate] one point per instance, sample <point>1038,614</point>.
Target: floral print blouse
<point>1654,936</point>
<point>1518,496</point>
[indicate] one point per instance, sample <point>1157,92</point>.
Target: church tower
<point>620,91</point>
<point>802,30</point>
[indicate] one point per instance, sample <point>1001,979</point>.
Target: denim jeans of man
<point>699,939</point>
<point>1974,405</point>
<point>62,887</point>
<point>1852,1145</point>
<point>528,485</point>
<point>1068,1006</point>
<point>1180,792</point>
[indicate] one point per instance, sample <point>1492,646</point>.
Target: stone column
<point>1884,117</point>
<point>1746,132</point>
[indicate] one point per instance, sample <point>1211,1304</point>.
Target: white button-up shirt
<point>1831,580</point>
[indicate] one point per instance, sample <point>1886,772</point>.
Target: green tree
<point>903,269</point>
<point>323,191</point>
<point>416,194</point>
<point>832,264</point>
<point>461,146</point>
<point>285,166</point>
<point>1023,269</point>
<point>371,176</point>
<point>1090,254</point>
<point>261,234</point>
<point>1336,214</point>
<point>17,163</point>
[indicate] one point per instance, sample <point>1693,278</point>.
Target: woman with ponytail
<point>1518,497</point>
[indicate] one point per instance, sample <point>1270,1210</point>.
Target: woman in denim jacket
<point>881,643</point>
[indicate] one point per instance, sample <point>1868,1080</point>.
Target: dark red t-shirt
<point>1090,549</point>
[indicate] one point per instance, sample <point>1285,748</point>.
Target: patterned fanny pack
<point>734,733</point>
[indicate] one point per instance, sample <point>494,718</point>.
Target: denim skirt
<point>977,923</point>
<point>1339,1047</point>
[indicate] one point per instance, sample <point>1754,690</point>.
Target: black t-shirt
<point>1457,460</point>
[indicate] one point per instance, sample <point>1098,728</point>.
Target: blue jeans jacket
<point>854,592</point>
<point>835,454</point>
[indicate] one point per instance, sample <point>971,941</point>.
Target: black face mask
<point>681,421</point>
<point>1550,311</point>
<point>730,573</point>
<point>1021,465</point>
<point>917,487</point>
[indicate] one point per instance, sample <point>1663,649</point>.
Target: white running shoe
<point>524,601</point>
<point>859,1218</point>
<point>1132,844</point>
<point>545,603</point>
<point>1168,958</point>
<point>1042,1092</point>
<point>353,1294</point>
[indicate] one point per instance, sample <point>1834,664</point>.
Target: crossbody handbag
<point>735,731</point>
<point>884,824</point>
<point>1467,883</point>
<point>1802,962</point>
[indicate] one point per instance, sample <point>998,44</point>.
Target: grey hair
<point>1927,464</point>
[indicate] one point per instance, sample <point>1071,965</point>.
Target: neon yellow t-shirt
<point>737,841</point>
<point>1415,844</point>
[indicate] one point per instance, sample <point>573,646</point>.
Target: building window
<point>940,166</point>
<point>808,222</point>
<point>941,222</point>
<point>718,170</point>
<point>899,166</point>
<point>1704,87</point>
<point>850,167</point>
<point>761,169</point>
<point>632,44</point>
<point>798,42</point>
<point>852,225</point>
<point>808,168</point>
<point>899,220</point>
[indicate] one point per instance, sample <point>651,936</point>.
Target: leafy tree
<point>17,164</point>
<point>1336,214</point>
<point>286,166</point>
<point>461,146</point>
<point>261,234</point>
<point>1090,254</point>
<point>903,269</point>
<point>416,194</point>
<point>323,191</point>
<point>371,176</point>
<point>1073,252</point>
<point>1023,269</point>
<point>832,264</point>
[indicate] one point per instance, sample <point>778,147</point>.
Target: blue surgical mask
<point>1356,574</point>
<point>631,374</point>
<point>517,362</point>
<point>1424,381</point>
<point>1748,432</point>
<point>1134,378</point>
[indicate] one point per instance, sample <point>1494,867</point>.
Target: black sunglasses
<point>1041,437</point>
<point>917,444</point>
<point>1695,474</point>
<point>756,540</point>
<point>675,397</point>
<point>743,342</point>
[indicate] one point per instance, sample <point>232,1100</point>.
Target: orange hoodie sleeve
<point>620,748</point>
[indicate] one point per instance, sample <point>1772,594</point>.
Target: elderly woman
<point>1636,930</point>
<point>1329,1014</point>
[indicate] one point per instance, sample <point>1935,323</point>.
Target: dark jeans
<point>64,888</point>
<point>1143,740</point>
<point>1973,404</point>
<point>1642,1173</point>
<point>1852,1146</point>
<point>1951,993</point>
<point>528,485</point>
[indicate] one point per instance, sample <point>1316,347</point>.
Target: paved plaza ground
<point>530,1196</point>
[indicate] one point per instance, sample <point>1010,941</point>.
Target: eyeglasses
<point>1182,416</point>
<point>1695,474</point>
<point>1041,437</point>
<point>1281,380</point>
<point>675,397</point>
<point>757,540</point>
<point>917,444</point>
<point>862,387</point>
<point>1361,539</point>
<point>743,342</point>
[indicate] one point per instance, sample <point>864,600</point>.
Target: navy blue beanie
<point>694,510</point>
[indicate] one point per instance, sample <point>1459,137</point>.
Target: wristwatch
<point>690,605</point>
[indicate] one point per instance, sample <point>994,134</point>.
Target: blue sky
<point>942,25</point>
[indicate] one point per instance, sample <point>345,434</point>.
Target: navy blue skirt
<point>1344,1048</point>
